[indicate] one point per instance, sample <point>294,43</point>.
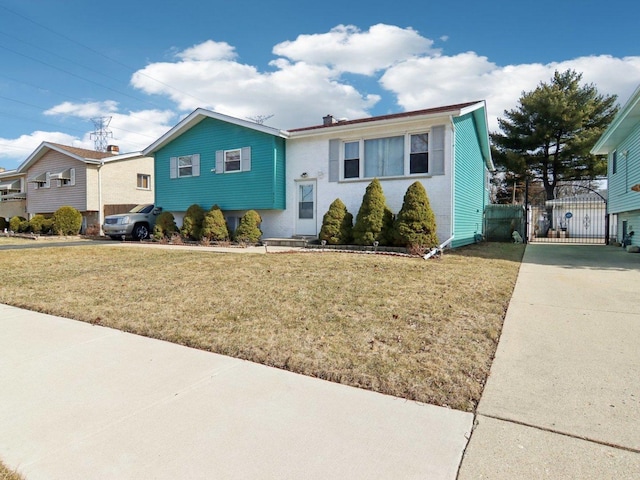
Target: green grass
<point>422,330</point>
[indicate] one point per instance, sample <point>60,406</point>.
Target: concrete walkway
<point>85,402</point>
<point>562,401</point>
<point>563,397</point>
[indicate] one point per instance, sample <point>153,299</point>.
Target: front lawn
<point>422,330</point>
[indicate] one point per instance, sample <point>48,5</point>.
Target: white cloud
<point>318,74</point>
<point>296,93</point>
<point>83,110</point>
<point>132,131</point>
<point>441,80</point>
<point>347,49</point>
<point>18,149</point>
<point>209,50</point>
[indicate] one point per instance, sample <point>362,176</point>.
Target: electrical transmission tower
<point>102,134</point>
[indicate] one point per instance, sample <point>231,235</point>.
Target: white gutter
<point>100,206</point>
<point>453,177</point>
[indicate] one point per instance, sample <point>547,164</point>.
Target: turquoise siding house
<point>621,143</point>
<point>291,177</point>
<point>471,180</point>
<point>210,158</point>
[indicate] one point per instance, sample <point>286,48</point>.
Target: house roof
<point>199,115</point>
<point>477,109</point>
<point>448,109</point>
<point>620,128</point>
<point>80,154</point>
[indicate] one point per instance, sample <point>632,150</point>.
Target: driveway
<point>563,397</point>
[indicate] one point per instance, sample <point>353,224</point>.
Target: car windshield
<point>141,209</point>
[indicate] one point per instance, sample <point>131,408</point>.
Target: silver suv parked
<point>137,223</point>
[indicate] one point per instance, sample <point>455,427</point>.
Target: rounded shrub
<point>337,224</point>
<point>248,230</point>
<point>165,226</point>
<point>415,225</point>
<point>374,218</point>
<point>214,226</point>
<point>15,222</point>
<point>36,223</point>
<point>192,223</point>
<point>67,221</point>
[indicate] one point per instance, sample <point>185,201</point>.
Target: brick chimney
<point>113,149</point>
<point>329,120</point>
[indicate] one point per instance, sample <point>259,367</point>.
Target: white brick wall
<point>311,155</point>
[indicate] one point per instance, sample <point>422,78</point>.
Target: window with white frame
<point>232,160</point>
<point>185,166</point>
<point>395,156</point>
<point>68,179</point>
<point>351,159</point>
<point>144,181</point>
<point>419,154</point>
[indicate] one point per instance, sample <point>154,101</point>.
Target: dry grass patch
<point>423,330</point>
<point>8,474</point>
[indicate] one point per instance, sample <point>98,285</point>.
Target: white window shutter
<point>436,156</point>
<point>246,159</point>
<point>173,167</point>
<point>72,175</point>
<point>195,165</point>
<point>219,161</point>
<point>47,181</point>
<point>334,160</point>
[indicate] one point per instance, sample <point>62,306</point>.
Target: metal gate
<point>578,214</point>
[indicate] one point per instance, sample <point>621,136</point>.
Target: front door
<point>306,208</point>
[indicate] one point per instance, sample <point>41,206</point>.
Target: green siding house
<point>621,143</point>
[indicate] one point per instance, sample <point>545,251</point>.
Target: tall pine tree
<point>549,135</point>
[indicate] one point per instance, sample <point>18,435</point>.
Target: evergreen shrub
<point>165,226</point>
<point>214,226</point>
<point>14,223</point>
<point>374,219</point>
<point>415,225</point>
<point>192,223</point>
<point>248,230</point>
<point>67,221</point>
<point>337,224</point>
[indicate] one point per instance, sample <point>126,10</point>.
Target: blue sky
<point>147,64</point>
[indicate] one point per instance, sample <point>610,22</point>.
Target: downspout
<point>100,207</point>
<point>453,177</point>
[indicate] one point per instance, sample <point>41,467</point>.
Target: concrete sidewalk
<point>563,397</point>
<point>86,402</point>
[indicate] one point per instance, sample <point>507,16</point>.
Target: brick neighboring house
<point>90,181</point>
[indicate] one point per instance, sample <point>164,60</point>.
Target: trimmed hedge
<point>248,230</point>
<point>67,221</point>
<point>214,226</point>
<point>165,226</point>
<point>337,224</point>
<point>416,223</point>
<point>192,223</point>
<point>374,222</point>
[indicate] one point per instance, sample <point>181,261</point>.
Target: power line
<point>129,68</point>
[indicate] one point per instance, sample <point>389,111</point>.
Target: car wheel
<point>140,232</point>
